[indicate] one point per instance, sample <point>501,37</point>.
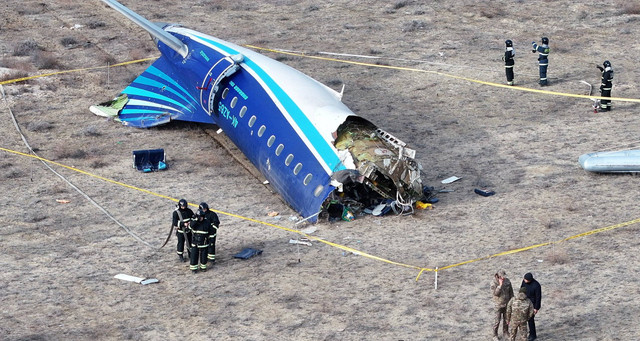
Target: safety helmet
<point>545,40</point>
<point>182,203</point>
<point>204,206</point>
<point>200,214</point>
<point>509,43</point>
<point>606,63</point>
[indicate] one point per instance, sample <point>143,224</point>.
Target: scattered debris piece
<point>63,201</point>
<point>484,192</point>
<point>301,242</point>
<point>381,209</point>
<point>149,160</point>
<point>347,214</point>
<point>247,253</point>
<point>140,280</point>
<point>423,205</point>
<point>309,230</point>
<point>273,214</point>
<point>450,179</point>
<point>621,161</point>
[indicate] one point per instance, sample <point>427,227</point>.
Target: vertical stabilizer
<point>153,29</point>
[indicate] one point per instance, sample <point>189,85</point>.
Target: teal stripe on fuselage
<point>157,72</point>
<point>140,111</point>
<point>159,86</point>
<point>131,90</point>
<point>319,143</point>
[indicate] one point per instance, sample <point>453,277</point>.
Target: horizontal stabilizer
<point>153,98</point>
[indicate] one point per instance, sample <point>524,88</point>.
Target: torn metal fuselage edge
<point>296,131</point>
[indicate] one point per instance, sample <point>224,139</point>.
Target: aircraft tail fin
<point>153,29</point>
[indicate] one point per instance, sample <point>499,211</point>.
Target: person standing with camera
<point>502,292</point>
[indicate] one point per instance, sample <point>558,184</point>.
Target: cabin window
<point>288,160</point>
<point>225,92</point>
<point>307,179</point>
<point>318,190</point>
<point>261,131</point>
<point>297,169</point>
<point>234,101</point>
<point>252,120</point>
<point>243,111</point>
<point>279,149</point>
<point>271,140</point>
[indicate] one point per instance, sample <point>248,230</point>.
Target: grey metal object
<point>153,29</point>
<point>624,161</point>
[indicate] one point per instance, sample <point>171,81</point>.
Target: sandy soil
<point>58,260</point>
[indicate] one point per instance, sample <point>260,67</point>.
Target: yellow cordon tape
<point>554,93</point>
<point>345,248</point>
<point>74,70</point>
<point>342,247</point>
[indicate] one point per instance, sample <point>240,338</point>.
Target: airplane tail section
<point>153,98</point>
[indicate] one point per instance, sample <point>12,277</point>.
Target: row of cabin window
<point>271,140</point>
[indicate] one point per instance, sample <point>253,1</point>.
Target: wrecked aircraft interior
<point>380,169</point>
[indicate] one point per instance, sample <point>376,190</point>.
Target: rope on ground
<point>509,252</point>
<point>24,139</point>
<point>75,70</point>
<point>342,247</point>
<point>511,87</point>
<point>345,248</point>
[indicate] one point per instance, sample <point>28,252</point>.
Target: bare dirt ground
<point>58,260</point>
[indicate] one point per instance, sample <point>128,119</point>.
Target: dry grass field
<point>59,260</point>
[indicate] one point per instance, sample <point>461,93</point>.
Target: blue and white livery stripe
<point>322,150</point>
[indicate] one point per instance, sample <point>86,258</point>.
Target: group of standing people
<point>517,312</point>
<point>543,63</point>
<point>198,231</point>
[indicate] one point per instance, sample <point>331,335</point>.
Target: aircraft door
<point>210,86</point>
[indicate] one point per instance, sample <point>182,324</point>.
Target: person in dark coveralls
<point>543,58</point>
<point>509,53</point>
<point>502,292</point>
<point>213,220</point>
<point>519,310</point>
<point>606,85</point>
<point>182,227</point>
<point>534,293</point>
<point>201,229</point>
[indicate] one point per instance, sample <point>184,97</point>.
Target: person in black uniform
<point>213,220</point>
<point>201,229</point>
<point>534,293</point>
<point>606,85</point>
<point>509,53</point>
<point>543,58</point>
<point>182,216</point>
